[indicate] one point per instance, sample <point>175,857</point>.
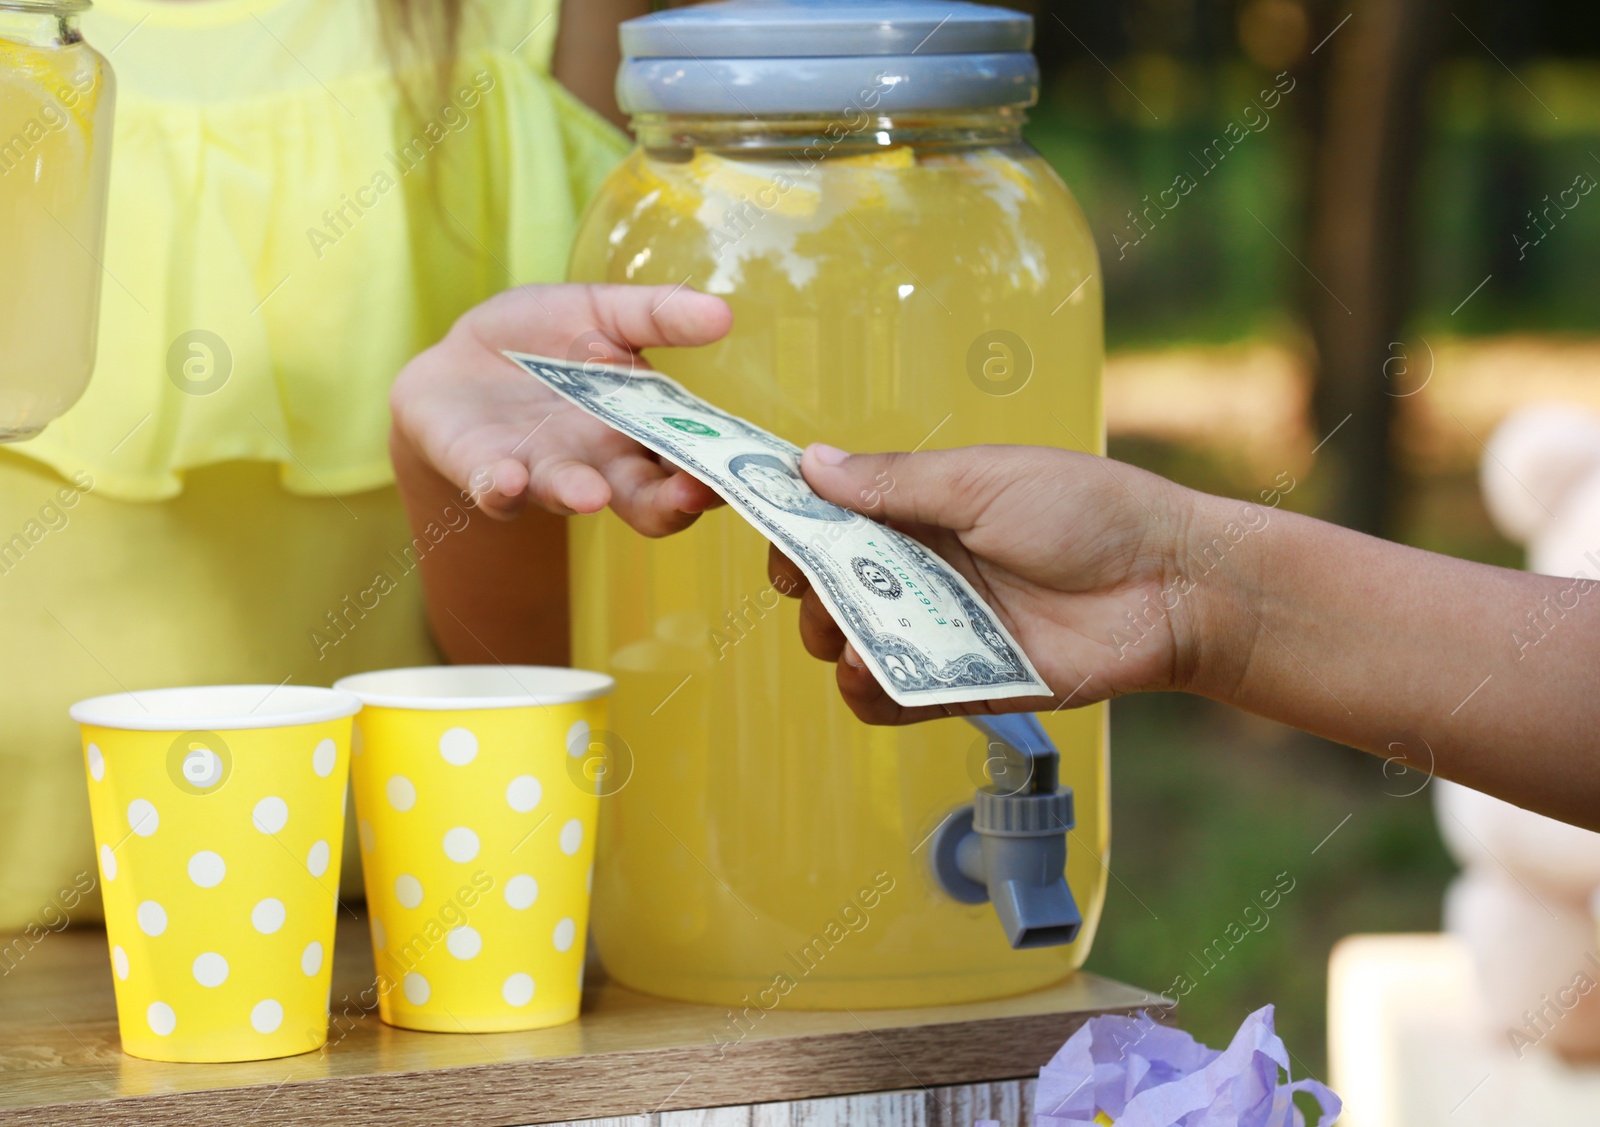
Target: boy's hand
<point>498,434</point>
<point>1079,556</point>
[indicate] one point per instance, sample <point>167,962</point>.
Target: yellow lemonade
<point>55,139</point>
<point>767,846</point>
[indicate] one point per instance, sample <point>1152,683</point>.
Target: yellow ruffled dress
<point>282,238</point>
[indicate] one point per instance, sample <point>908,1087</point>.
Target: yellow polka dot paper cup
<point>218,813</point>
<point>476,809</point>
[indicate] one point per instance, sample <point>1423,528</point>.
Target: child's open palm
<point>497,433</point>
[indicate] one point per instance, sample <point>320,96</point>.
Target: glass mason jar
<point>56,97</point>
<point>902,276</point>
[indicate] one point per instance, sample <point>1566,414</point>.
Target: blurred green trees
<point>1174,74</point>
<point>1210,805</point>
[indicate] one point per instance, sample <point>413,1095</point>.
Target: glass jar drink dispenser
<point>904,273</point>
<point>56,99</point>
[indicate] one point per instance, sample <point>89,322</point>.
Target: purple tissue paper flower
<point>1136,1072</point>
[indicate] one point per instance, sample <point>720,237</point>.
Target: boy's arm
<point>1115,580</point>
<point>1490,676</point>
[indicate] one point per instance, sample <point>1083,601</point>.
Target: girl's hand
<point>497,434</point>
<point>1079,556</point>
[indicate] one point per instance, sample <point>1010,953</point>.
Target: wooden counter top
<point>60,1060</point>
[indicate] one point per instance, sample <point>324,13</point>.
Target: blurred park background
<point>1366,274</point>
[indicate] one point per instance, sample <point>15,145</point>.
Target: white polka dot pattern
<point>408,890</point>
<point>270,815</point>
<point>218,908</point>
<point>266,1015</point>
<point>483,859</point>
<point>518,989</point>
<point>521,891</point>
<point>152,918</point>
<point>210,969</point>
<point>463,942</point>
<point>143,818</point>
<point>416,989</point>
<point>317,858</point>
<point>460,845</point>
<point>402,793</point>
<point>458,746</point>
<point>523,793</point>
<point>268,915</point>
<point>324,758</point>
<point>207,868</point>
<point>161,1018</point>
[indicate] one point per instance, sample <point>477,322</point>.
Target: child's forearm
<point>586,54</point>
<point>496,590</point>
<point>1487,676</point>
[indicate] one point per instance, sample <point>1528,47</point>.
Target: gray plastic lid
<point>766,28</point>
<point>755,57</point>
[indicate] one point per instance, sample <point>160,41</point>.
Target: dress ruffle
<point>273,261</point>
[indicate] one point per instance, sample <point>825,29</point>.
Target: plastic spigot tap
<point>1028,762</point>
<point>1010,846</point>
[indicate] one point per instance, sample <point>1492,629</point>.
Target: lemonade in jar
<point>56,98</point>
<point>905,273</point>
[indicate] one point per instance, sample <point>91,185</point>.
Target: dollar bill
<point>917,623</point>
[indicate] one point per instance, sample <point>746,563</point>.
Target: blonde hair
<point>421,38</point>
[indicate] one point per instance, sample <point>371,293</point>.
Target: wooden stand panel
<point>629,1055</point>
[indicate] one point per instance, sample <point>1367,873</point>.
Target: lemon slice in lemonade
<point>47,105</point>
<point>62,79</point>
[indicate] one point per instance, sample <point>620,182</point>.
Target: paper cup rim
<point>222,708</point>
<point>465,688</point>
